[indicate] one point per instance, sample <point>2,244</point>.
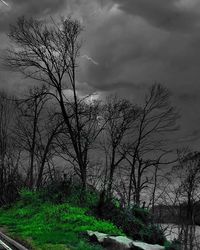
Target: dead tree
<point>90,129</point>
<point>48,53</point>
<point>181,198</point>
<point>29,124</point>
<point>8,151</point>
<point>156,121</point>
<point>52,127</point>
<point>119,115</point>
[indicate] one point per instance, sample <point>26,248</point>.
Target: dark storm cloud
<point>134,51</point>
<point>130,50</point>
<point>170,14</point>
<point>15,8</point>
<point>133,43</point>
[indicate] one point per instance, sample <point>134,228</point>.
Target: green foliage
<point>152,234</point>
<point>79,198</point>
<point>29,197</point>
<point>46,219</point>
<point>142,214</point>
<point>60,225</point>
<point>62,192</point>
<point>135,222</point>
<point>174,245</point>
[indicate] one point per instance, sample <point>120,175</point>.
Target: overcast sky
<point>128,45</point>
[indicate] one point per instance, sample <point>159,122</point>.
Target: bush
<point>65,191</point>
<point>29,197</point>
<point>152,234</point>
<point>174,245</point>
<point>141,213</point>
<point>56,192</point>
<point>135,222</point>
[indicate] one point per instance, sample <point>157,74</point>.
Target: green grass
<point>50,226</point>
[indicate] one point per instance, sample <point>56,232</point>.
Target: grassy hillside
<point>52,226</point>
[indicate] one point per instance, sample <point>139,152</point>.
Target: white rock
<point>146,246</point>
<point>100,236</point>
<point>123,242</point>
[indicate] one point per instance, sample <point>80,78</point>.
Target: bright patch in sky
<point>115,9</point>
<point>69,95</point>
<point>90,59</point>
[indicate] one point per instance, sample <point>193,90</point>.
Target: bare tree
<point>48,53</point>
<point>29,125</point>
<point>156,121</point>
<point>181,198</point>
<point>120,116</point>
<point>52,127</point>
<point>8,153</point>
<point>88,113</point>
<point>156,187</point>
<point>187,174</point>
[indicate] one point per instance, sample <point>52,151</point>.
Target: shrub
<point>152,234</point>
<point>135,222</point>
<point>56,192</point>
<point>141,213</point>
<point>174,245</point>
<point>28,197</point>
<point>65,191</point>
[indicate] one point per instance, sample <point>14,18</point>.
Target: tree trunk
<point>110,183</point>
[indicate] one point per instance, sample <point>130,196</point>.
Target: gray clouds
<point>177,15</point>
<point>35,8</point>
<point>133,42</point>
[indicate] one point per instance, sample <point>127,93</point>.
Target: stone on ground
<point>120,242</point>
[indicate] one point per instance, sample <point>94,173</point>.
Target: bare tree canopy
<point>49,53</point>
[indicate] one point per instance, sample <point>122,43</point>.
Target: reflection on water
<point>188,235</point>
